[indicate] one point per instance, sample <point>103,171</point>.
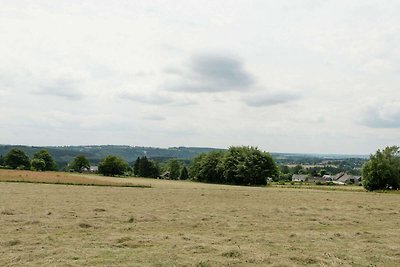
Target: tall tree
<point>174,168</point>
<point>50,164</point>
<point>17,158</point>
<point>146,168</point>
<point>136,166</point>
<point>382,170</point>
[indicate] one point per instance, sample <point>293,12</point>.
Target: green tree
<point>322,172</point>
<point>50,164</point>
<point>239,165</point>
<point>79,163</point>
<point>248,166</point>
<point>145,167</point>
<point>297,169</point>
<point>184,174</point>
<point>17,158</point>
<point>284,169</point>
<point>196,165</point>
<point>112,165</point>
<point>136,166</point>
<point>211,168</point>
<point>174,168</point>
<point>2,162</point>
<point>38,164</point>
<point>382,170</point>
<point>155,169</point>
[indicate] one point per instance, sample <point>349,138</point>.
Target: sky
<point>306,76</point>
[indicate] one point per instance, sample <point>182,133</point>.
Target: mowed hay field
<point>177,223</point>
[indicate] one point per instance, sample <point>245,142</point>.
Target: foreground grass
<point>191,224</point>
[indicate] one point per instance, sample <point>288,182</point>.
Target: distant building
<point>344,178</point>
<point>94,169</point>
<point>299,177</point>
<point>349,179</point>
<point>166,175</point>
<point>337,176</point>
<point>327,177</point>
<point>316,179</point>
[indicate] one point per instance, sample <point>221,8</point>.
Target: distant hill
<point>64,154</point>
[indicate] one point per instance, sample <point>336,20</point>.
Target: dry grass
<point>61,178</point>
<point>190,224</point>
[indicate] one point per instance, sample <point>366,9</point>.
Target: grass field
<point>63,178</point>
<point>176,223</point>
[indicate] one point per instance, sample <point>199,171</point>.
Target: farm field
<point>62,178</point>
<point>177,223</point>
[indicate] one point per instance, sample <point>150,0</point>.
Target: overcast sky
<point>286,76</point>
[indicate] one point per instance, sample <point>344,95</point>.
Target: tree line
<point>238,165</point>
<point>17,159</point>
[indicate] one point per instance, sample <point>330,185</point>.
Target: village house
<point>166,175</point>
<point>299,177</point>
<point>93,169</point>
<point>339,179</point>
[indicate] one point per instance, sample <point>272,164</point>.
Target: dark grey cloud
<point>60,88</point>
<point>381,116</point>
<point>262,100</point>
<point>212,73</point>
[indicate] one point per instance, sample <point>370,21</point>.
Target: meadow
<point>182,223</point>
